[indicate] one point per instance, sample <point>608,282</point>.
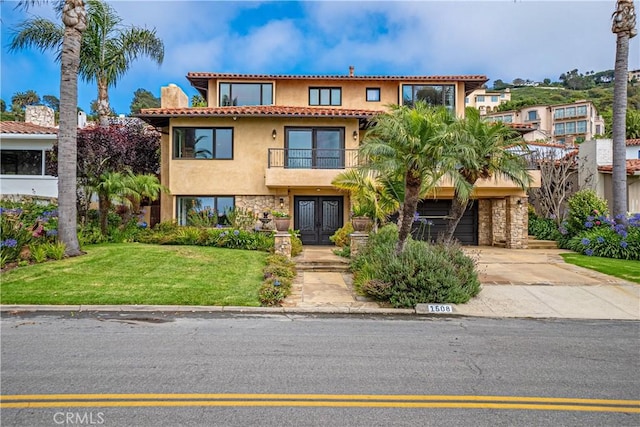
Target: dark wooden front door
<point>317,218</point>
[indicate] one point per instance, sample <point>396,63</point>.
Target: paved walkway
<point>515,283</point>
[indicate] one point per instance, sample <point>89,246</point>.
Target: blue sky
<point>502,39</point>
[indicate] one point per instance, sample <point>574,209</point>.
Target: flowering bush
<point>582,205</point>
<point>608,237</point>
<point>24,226</point>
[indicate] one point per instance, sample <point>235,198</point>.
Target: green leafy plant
<point>38,253</point>
<point>341,237</point>
<point>280,214</point>
<point>276,286</point>
<point>55,250</point>
<point>583,204</point>
<point>422,273</point>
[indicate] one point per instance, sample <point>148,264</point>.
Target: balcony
<point>307,167</point>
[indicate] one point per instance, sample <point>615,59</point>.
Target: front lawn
<point>133,273</point>
<point>624,269</point>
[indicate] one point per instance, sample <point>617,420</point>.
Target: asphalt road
<point>277,370</point>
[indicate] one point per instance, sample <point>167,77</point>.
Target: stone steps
<point>323,266</point>
<point>534,243</point>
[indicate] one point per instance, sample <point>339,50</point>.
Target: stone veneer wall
<point>503,220</point>
<point>256,204</point>
<point>40,115</point>
<point>517,226</point>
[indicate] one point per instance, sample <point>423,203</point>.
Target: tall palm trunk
<point>411,196</point>
<point>74,19</point>
<point>104,110</point>
<point>624,27</point>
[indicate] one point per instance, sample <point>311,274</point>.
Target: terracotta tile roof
<point>633,142</point>
<point>26,128</point>
<point>548,144</point>
<point>257,110</point>
<point>457,78</point>
<point>633,167</point>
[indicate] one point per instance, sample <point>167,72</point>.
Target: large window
<point>325,96</point>
<point>203,143</point>
<point>570,128</point>
<point>238,94</point>
<point>22,162</point>
<point>314,148</point>
<point>558,113</point>
<point>204,211</point>
<point>582,110</point>
<point>581,126</point>
<point>532,115</point>
<point>435,95</point>
<point>558,129</point>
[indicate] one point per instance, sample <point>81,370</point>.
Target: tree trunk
<point>104,110</point>
<point>619,175</point>
<point>74,19</point>
<point>103,206</point>
<point>411,195</point>
<point>458,208</point>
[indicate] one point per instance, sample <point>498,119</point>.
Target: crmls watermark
<point>78,418</point>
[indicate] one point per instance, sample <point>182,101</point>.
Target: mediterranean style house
<point>487,102</point>
<point>571,123</point>
<point>276,142</point>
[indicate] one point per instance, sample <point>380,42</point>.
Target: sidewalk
<point>516,283</point>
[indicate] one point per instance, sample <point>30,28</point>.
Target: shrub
<point>296,243</point>
<point>584,204</point>
<point>55,250</point>
<point>278,274</point>
<point>606,237</point>
<point>543,228</point>
<point>25,224</point>
<point>341,237</point>
<point>38,253</point>
<point>422,273</point>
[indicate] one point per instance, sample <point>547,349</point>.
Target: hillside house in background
<point>268,142</point>
<point>562,124</point>
<point>487,102</point>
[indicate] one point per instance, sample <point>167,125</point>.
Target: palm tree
<point>110,187</point>
<point>485,150</point>
<point>408,144</point>
<point>624,26</point>
<point>74,20</point>
<point>369,191</point>
<point>107,49</point>
<point>143,186</point>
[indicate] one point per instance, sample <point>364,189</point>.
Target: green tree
<point>3,106</point>
<point>107,50</point>
<point>198,101</point>
<point>51,102</point>
<point>20,100</point>
<point>369,190</point>
<point>142,98</point>
<point>624,27</point>
<point>110,187</point>
<point>409,144</point>
<point>484,150</point>
<point>74,22</point>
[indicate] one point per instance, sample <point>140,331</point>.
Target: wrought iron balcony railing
<point>312,158</point>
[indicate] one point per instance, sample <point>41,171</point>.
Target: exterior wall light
<point>274,134</point>
<point>281,199</point>
<point>355,135</point>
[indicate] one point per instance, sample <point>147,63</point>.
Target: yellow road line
<point>318,400</point>
<point>374,397</point>
<point>318,403</point>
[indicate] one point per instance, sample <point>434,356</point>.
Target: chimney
<point>40,115</point>
<point>351,70</point>
<point>173,97</point>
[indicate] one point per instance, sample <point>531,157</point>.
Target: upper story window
<point>314,148</point>
<point>558,113</point>
<point>570,112</point>
<point>325,96</point>
<point>22,162</point>
<point>494,98</point>
<point>558,129</point>
<point>480,98</point>
<point>238,94</point>
<point>373,94</point>
<point>466,100</point>
<point>532,115</point>
<point>435,95</point>
<point>202,143</point>
<point>582,110</point>
<point>581,126</point>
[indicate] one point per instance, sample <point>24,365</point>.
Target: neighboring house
<point>596,157</point>
<point>277,141</point>
<point>634,75</point>
<point>563,124</point>
<point>23,148</point>
<point>487,102</point>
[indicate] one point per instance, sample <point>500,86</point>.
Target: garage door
<point>435,211</point>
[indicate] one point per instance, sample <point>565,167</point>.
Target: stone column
<point>283,243</point>
<point>358,240</point>
<point>485,223</point>
<point>516,230</point>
